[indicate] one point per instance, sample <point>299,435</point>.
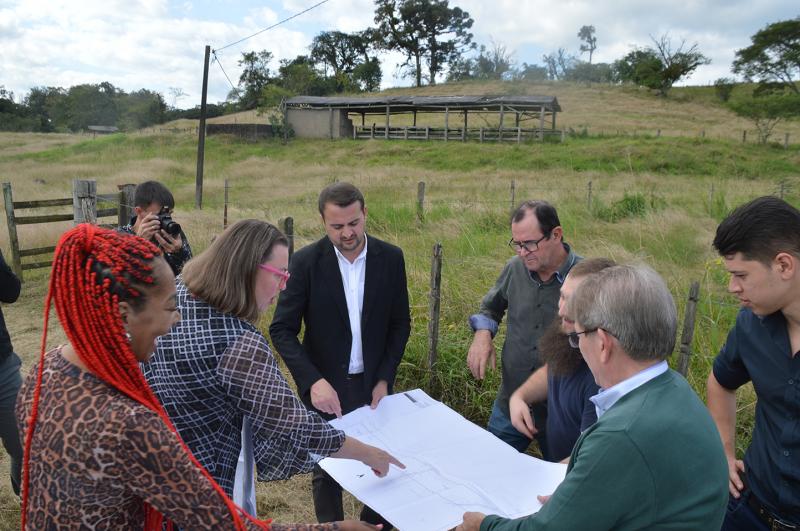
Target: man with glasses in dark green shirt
<point>527,293</point>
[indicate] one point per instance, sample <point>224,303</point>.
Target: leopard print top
<point>96,455</point>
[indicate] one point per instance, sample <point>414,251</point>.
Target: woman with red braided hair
<point>100,451</point>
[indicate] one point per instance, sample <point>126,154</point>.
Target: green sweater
<point>654,461</point>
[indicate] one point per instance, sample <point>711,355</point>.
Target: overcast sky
<point>158,44</point>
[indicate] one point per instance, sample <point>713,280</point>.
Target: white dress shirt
<point>353,282</point>
<point>608,397</point>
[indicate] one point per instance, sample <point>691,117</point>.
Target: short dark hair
<point>150,192</point>
<point>341,195</point>
<point>760,230</point>
<point>545,214</point>
<point>590,266</point>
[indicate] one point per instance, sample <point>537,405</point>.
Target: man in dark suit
<point>350,293</point>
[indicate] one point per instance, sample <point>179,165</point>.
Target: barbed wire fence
<point>85,202</point>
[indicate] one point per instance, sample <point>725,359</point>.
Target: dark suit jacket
<point>315,296</point>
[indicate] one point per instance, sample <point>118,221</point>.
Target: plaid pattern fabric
<point>210,371</point>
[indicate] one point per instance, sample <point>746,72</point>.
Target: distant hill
<point>600,108</point>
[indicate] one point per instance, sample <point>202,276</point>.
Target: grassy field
<point>656,200</point>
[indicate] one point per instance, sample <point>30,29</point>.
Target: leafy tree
<point>367,75</point>
<point>338,51</point>
<point>348,57</point>
<point>141,108</point>
<point>723,87</point>
<point>255,76</point>
<point>89,104</point>
<point>45,104</point>
<point>767,108</point>
<point>531,72</point>
<point>773,56</point>
<point>586,34</point>
<point>299,76</point>
<point>660,66</point>
<point>590,73</point>
<point>426,31</point>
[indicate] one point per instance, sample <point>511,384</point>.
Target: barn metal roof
<point>425,103</point>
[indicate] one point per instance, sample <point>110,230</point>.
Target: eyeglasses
<point>574,337</point>
<point>528,245</point>
<point>280,272</point>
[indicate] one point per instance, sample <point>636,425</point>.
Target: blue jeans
<point>500,426</point>
<point>740,517</point>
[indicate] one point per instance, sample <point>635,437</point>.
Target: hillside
<point>601,109</point>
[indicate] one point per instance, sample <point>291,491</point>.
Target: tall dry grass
<point>686,186</point>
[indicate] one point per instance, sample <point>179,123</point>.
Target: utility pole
<point>201,141</point>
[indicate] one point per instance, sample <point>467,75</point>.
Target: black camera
<point>167,224</point>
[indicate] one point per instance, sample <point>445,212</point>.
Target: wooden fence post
<point>513,194</point>
<point>16,259</point>
<point>589,196</point>
<point>658,133</point>
<point>744,136</point>
<point>126,193</point>
<point>84,201</point>
<point>288,230</point>
<point>421,200</point>
<point>563,135</point>
<point>434,304</point>
<point>786,141</point>
<point>783,189</point>
<point>703,133</point>
<point>519,134</point>
<point>688,328</point>
<point>225,208</point>
<point>480,137</point>
<point>711,199</point>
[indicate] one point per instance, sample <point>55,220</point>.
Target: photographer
<point>153,204</point>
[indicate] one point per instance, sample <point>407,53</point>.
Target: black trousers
<point>10,382</point>
<point>326,491</point>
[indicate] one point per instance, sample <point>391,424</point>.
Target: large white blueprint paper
<point>452,466</point>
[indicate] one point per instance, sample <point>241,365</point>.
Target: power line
<point>274,25</point>
<point>223,70</point>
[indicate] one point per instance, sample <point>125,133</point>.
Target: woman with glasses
<point>100,451</point>
<point>218,379</point>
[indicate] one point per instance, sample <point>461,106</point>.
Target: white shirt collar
<point>606,398</point>
<point>361,255</point>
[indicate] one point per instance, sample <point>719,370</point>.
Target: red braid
<point>93,270</point>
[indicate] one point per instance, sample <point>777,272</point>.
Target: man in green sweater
<point>654,459</point>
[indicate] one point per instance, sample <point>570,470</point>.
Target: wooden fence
<point>455,134</point>
<point>84,203</point>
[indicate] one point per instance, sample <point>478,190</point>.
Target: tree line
<point>55,109</point>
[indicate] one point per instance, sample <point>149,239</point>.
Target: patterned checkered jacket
<point>210,371</point>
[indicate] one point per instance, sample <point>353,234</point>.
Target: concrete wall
<point>246,131</point>
<point>320,123</point>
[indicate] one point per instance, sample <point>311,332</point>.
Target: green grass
<point>656,200</point>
